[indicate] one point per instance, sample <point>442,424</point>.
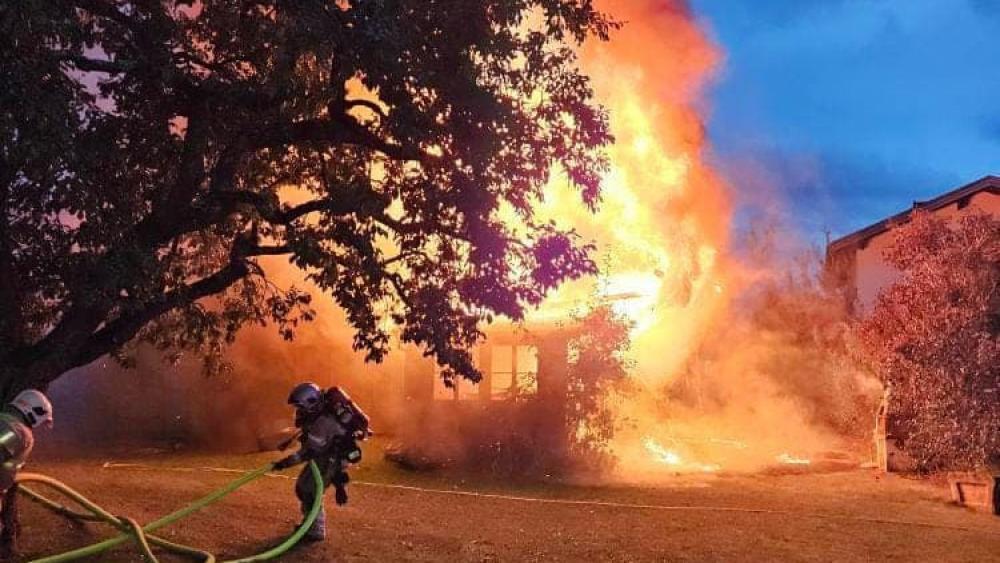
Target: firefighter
<point>330,425</point>
<point>29,409</point>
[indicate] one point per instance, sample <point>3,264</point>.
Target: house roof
<point>858,238</point>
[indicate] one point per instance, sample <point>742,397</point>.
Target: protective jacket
<point>16,441</point>
<point>323,437</point>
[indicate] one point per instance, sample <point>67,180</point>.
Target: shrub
<point>935,337</point>
<point>598,366</point>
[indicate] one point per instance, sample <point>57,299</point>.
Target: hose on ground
<point>93,517</point>
<point>142,535</point>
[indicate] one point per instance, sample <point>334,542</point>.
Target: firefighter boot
<point>317,532</point>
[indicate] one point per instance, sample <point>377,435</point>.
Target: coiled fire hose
<point>142,535</point>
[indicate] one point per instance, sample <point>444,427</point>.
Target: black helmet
<point>306,396</point>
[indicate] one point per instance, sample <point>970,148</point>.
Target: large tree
<point>934,336</point>
<point>145,147</point>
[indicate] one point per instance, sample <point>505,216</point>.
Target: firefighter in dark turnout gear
<point>331,426</point>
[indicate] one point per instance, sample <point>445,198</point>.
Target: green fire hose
<point>142,535</point>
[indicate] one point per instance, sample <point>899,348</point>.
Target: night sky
<point>848,110</point>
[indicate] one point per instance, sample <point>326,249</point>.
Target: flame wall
<point>664,226</point>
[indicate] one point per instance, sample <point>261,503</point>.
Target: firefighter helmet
<point>307,397</point>
<point>34,406</point>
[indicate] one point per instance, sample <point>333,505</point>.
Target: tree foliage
<point>598,367</point>
<point>541,435</point>
<point>935,338</point>
<point>144,147</point>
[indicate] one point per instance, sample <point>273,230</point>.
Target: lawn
<point>395,515</point>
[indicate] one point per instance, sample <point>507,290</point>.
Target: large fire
<point>663,224</point>
<point>662,231</point>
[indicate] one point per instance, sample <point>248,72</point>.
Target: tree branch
<point>267,205</point>
<point>376,108</point>
<point>402,256</point>
<point>417,228</point>
<point>118,332</point>
<point>337,130</point>
<point>269,250</point>
<point>398,285</point>
<point>87,64</point>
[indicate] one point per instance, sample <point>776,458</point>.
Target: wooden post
<point>486,368</point>
<point>514,388</point>
<point>881,433</point>
<point>553,388</point>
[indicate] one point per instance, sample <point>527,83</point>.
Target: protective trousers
<point>305,489</point>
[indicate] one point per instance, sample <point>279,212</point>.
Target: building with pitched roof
<point>856,261</point>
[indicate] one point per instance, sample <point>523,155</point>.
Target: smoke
<point>739,362</point>
<point>161,405</point>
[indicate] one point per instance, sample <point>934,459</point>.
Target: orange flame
<point>664,223</point>
<point>673,459</point>
<point>664,216</point>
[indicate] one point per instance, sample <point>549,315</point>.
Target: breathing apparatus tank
<point>352,418</point>
<point>348,413</point>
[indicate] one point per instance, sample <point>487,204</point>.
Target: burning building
<point>662,230</point>
<point>520,401</point>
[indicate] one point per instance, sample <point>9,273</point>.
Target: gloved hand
<point>340,494</point>
<point>284,463</point>
<point>340,479</point>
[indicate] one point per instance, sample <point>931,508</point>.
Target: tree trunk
<point>14,379</point>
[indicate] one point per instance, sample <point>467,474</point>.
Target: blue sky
<point>851,109</point>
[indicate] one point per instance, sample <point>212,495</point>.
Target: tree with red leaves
<point>935,337</point>
<point>144,146</point>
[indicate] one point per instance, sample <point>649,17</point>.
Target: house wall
<point>454,423</point>
<point>871,272</point>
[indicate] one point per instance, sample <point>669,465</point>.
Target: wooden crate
<point>976,491</point>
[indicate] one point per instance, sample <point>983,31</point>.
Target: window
<point>502,372</point>
<point>463,390</point>
<point>527,370</point>
<point>514,372</point>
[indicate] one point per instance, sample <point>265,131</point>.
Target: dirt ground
<point>399,516</point>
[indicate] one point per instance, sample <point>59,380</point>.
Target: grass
<point>843,516</point>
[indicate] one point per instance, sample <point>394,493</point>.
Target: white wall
<point>873,274</point>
